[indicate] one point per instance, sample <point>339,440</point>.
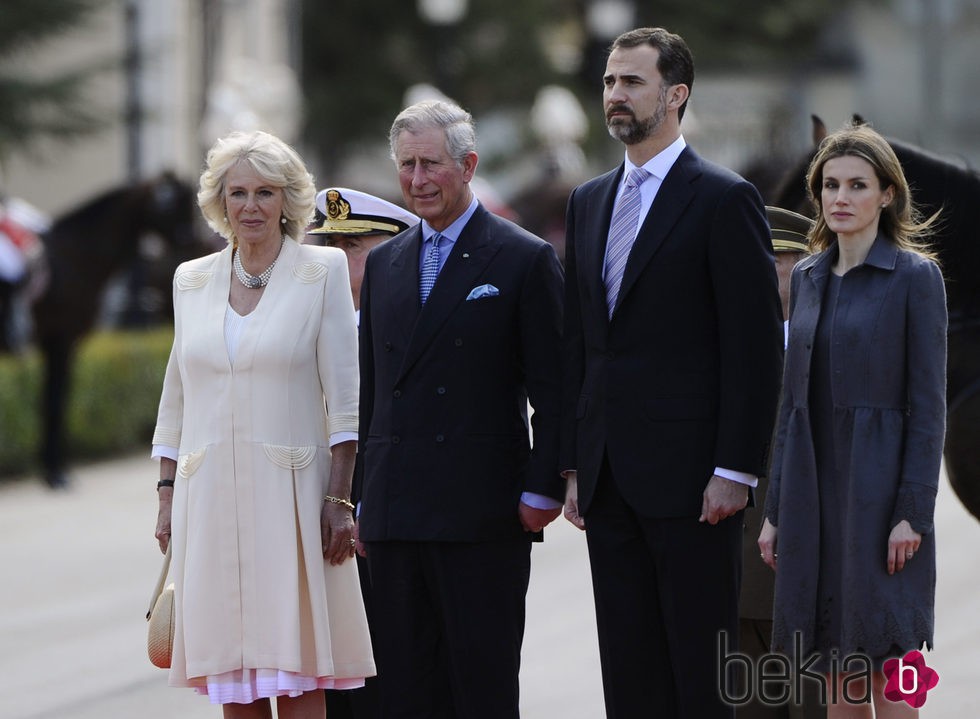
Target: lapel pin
<point>465,255</point>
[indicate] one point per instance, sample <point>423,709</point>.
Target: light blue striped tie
<point>430,268</point>
<point>622,234</point>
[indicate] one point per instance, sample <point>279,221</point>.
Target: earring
<point>282,221</point>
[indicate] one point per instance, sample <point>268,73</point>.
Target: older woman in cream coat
<point>256,434</point>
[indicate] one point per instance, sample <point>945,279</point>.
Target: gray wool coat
<point>887,374</point>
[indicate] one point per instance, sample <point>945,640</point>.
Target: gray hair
<point>278,164</point>
<point>456,122</point>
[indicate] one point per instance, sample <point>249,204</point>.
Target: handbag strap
<point>160,582</point>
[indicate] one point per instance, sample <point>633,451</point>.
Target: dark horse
<point>84,249</point>
<point>939,185</point>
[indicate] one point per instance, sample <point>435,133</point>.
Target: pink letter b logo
<point>903,670</point>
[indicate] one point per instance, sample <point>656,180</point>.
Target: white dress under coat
<point>252,587</point>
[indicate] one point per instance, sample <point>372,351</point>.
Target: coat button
<point>458,342</point>
<point>397,393</point>
<point>439,438</point>
<point>440,390</point>
<point>396,439</point>
<point>387,346</point>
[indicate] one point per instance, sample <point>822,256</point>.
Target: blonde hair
<point>278,164</point>
<point>900,221</point>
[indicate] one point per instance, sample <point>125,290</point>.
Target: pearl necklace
<point>253,282</point>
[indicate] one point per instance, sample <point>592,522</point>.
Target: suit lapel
<point>672,200</point>
<point>469,257</point>
<point>403,281</point>
<point>601,214</point>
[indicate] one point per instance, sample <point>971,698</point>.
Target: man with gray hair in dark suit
<point>460,323</point>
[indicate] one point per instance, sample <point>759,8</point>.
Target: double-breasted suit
<point>683,378</point>
<point>444,441</point>
<point>445,457</point>
<point>253,589</point>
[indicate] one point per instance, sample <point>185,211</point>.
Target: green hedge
<point>116,382</point>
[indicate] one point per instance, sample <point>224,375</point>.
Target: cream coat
<point>252,588</point>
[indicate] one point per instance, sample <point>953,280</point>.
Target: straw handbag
<point>160,637</point>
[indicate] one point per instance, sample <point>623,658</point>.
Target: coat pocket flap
<point>290,457</point>
<point>187,464</point>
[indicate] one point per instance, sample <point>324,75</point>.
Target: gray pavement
<point>79,567</point>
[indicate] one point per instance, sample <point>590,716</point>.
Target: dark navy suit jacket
<point>685,375</point>
<point>444,449</point>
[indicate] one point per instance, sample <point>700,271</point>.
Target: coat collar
<point>883,255</point>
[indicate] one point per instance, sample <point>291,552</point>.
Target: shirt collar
<point>659,165</point>
<point>452,232</point>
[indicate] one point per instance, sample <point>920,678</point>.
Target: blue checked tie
<point>622,234</point>
<point>430,268</point>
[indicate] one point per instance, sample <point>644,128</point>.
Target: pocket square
<point>482,291</point>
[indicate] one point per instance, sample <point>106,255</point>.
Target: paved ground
<point>78,568</point>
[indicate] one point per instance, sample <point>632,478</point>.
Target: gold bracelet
<point>337,500</point>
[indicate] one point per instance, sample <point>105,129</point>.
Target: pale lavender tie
<point>622,234</point>
<point>430,268</point>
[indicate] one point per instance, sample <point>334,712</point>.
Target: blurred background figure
<point>789,242</point>
<point>22,270</point>
<point>356,222</point>
<point>789,232</point>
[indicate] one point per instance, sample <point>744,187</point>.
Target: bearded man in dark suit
<point>460,324</point>
<point>672,351</point>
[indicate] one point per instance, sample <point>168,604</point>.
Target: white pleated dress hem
<point>244,686</point>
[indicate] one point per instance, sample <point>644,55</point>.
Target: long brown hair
<point>900,221</point>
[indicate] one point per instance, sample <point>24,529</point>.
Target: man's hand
<point>571,500</point>
<point>722,498</point>
<point>358,544</point>
<point>534,520</point>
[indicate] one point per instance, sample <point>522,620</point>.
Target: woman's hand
<point>336,532</point>
<point>337,516</point>
<point>903,543</point>
<point>168,470</point>
<point>767,544</point>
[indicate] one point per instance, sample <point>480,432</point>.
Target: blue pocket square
<point>482,291</point>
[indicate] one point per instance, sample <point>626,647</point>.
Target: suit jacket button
<point>397,393</point>
<point>439,438</point>
<point>440,390</point>
<point>458,342</point>
<point>387,346</point>
<point>396,439</point>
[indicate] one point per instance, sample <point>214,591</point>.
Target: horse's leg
<point>962,458</point>
<point>6,316</point>
<point>57,364</point>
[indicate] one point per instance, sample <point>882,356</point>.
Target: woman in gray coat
<point>859,438</point>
